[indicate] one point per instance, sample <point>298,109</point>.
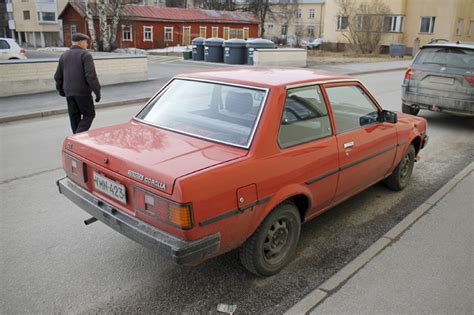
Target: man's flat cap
<point>79,36</point>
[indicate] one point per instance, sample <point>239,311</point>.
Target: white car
<point>315,43</point>
<point>9,50</point>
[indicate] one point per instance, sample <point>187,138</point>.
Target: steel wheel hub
<point>276,241</point>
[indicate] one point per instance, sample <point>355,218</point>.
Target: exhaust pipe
<point>90,221</point>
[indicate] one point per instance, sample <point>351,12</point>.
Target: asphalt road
<point>52,263</point>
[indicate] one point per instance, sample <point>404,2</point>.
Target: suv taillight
<point>409,73</point>
<point>470,79</point>
<point>163,209</point>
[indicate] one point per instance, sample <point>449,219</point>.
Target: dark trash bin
<point>213,50</point>
<point>187,54</point>
<point>397,50</point>
<point>198,48</point>
<point>235,52</point>
<point>256,44</point>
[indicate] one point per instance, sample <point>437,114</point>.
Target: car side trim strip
<point>233,212</point>
<point>320,177</point>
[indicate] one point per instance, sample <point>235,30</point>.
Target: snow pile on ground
<point>54,49</point>
<point>176,49</point>
<point>130,51</point>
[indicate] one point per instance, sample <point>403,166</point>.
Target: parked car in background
<point>9,50</point>
<point>315,43</point>
<point>224,159</point>
<point>440,79</point>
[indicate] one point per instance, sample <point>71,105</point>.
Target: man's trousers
<point>81,112</point>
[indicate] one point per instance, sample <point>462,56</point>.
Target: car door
<point>366,147</point>
<point>308,145</point>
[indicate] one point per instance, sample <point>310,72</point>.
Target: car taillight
<point>470,79</point>
<point>163,209</point>
<point>75,169</point>
<point>409,73</point>
<point>22,51</point>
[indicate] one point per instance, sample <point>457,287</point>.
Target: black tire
<point>400,177</point>
<point>407,109</point>
<point>273,244</point>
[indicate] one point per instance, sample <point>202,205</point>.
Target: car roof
<point>450,44</point>
<point>266,76</point>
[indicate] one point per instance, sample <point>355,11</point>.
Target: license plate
<point>110,187</point>
<point>441,80</point>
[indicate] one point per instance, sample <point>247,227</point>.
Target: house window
<point>202,31</point>
<point>471,28</point>
<point>427,24</point>
<point>298,28</point>
<point>310,31</point>
<point>270,29</point>
<point>168,34</point>
<point>126,32</point>
<point>46,17</point>
<point>226,33</point>
<point>393,24</point>
<point>245,33</point>
<point>73,29</point>
<point>311,13</point>
<point>459,27</point>
<point>215,31</point>
<point>236,33</point>
<point>147,33</point>
<point>26,15</point>
<point>342,22</point>
<point>298,13</point>
<point>284,29</point>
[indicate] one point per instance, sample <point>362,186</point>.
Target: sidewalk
<point>424,265</point>
<point>19,107</point>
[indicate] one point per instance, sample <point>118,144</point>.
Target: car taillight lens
<point>75,168</point>
<point>470,79</point>
<point>163,209</point>
<point>409,73</point>
<point>22,51</point>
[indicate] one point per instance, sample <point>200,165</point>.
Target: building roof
<point>150,13</point>
<point>266,76</point>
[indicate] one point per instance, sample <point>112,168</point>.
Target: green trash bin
<point>187,54</point>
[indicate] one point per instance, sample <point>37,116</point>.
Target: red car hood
<point>155,153</point>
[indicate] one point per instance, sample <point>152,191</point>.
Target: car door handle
<point>348,145</point>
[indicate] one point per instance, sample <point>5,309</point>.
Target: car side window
<point>305,117</point>
<point>352,108</point>
<point>4,44</point>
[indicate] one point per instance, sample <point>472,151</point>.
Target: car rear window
<point>4,44</point>
<point>447,57</point>
<point>220,112</point>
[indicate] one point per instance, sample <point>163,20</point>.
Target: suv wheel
<point>407,109</point>
<point>273,244</point>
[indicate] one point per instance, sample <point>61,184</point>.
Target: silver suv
<point>440,79</point>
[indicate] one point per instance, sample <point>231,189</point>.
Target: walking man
<point>76,79</point>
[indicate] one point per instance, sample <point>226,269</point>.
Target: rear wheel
<point>273,244</point>
<point>401,175</point>
<point>407,109</point>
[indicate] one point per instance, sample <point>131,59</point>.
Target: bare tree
<point>260,8</point>
<point>227,5</point>
<point>362,23</point>
<point>90,25</point>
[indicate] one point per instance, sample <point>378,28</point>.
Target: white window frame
<point>270,29</point>
<point>201,28</point>
<point>312,13</point>
<point>431,26</point>
<point>245,29</point>
<point>298,13</point>
<point>396,23</point>
<point>216,29</point>
<point>459,27</point>
<point>123,33</point>
<point>470,31</point>
<point>339,23</point>
<point>167,29</point>
<point>71,29</point>
<point>226,30</point>
<point>284,27</point>
<point>147,29</point>
<point>310,30</point>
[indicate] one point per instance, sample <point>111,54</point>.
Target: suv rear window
<point>450,57</point>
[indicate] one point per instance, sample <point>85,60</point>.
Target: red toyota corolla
<point>239,158</point>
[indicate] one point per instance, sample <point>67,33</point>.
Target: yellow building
<point>411,22</point>
<point>290,21</point>
<point>35,22</point>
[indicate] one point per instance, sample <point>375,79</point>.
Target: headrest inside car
<point>239,103</point>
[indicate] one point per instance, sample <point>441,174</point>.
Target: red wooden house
<point>149,27</point>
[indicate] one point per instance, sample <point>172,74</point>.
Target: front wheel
<point>407,109</point>
<point>401,174</point>
<point>273,244</point>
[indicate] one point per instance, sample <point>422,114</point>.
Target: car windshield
<point>214,111</point>
<point>447,57</point>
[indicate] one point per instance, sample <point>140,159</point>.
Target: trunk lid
<point>149,154</point>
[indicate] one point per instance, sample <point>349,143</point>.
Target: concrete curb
<point>47,113</point>
<point>313,299</point>
<point>52,112</point>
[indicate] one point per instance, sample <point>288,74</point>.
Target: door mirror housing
<point>388,116</point>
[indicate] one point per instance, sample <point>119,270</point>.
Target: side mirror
<point>388,116</point>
